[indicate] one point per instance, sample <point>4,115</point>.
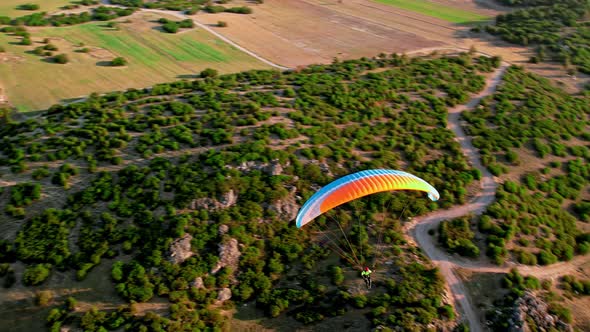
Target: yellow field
<point>31,82</point>
<point>8,7</point>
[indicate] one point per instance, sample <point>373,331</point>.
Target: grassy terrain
<point>33,83</point>
<point>449,14</point>
<point>8,7</point>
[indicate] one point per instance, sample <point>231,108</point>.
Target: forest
<point>558,30</point>
<point>537,136</point>
<point>214,162</point>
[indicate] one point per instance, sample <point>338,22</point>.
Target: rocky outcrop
<point>531,308</point>
<point>286,208</point>
<point>226,200</point>
<point>223,229</point>
<point>272,168</point>
<point>198,283</point>
<point>180,249</point>
<point>326,169</point>
<point>229,255</point>
<point>224,294</point>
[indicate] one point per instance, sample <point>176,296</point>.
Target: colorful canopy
<point>357,185</point>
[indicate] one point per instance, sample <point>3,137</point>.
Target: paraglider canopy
<point>357,185</point>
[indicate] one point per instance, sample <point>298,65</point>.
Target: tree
<point>209,72</point>
<point>170,27</point>
<point>336,275</point>
<point>118,61</point>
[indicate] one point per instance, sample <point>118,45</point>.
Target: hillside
<point>116,179</point>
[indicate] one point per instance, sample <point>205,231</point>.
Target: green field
<point>8,7</point>
<point>428,8</point>
<point>32,83</point>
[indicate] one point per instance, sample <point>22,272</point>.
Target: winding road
<point>419,227</point>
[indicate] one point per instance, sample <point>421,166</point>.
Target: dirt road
<point>419,227</point>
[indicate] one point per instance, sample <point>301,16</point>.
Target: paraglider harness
<point>366,274</point>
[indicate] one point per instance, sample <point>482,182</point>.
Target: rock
<point>529,306</point>
<point>286,208</point>
<point>224,294</point>
<point>226,200</point>
<point>326,169</point>
<point>274,168</point>
<point>229,255</point>
<point>180,249</point>
<point>198,283</point>
<point>223,229</point>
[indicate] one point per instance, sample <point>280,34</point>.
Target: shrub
<point>36,274</point>
<point>221,24</point>
<point>50,47</point>
<point>546,257</point>
<point>61,58</point>
<point>28,6</point>
<point>240,10</point>
<point>44,297</point>
<point>214,9</point>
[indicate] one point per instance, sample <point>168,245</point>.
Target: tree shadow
<point>49,59</point>
<point>70,100</point>
<point>104,64</point>
<point>188,76</point>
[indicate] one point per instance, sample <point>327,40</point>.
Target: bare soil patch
<point>483,288</point>
<point>20,313</point>
<point>294,33</point>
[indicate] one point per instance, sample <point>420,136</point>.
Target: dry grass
<point>578,305</point>
<point>153,57</point>
<point>324,31</point>
<point>8,7</point>
<point>354,28</point>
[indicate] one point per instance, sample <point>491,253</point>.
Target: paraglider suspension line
<point>347,241</point>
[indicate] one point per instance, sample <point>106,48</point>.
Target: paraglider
<point>357,185</point>
<point>366,274</point>
<point>354,186</point>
